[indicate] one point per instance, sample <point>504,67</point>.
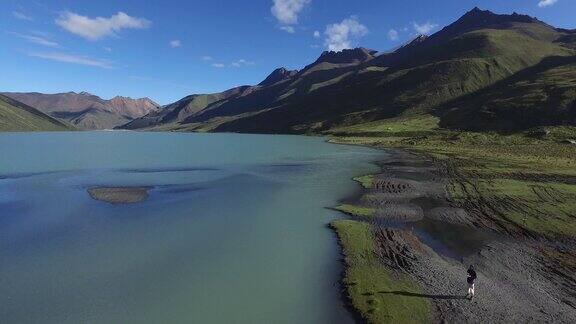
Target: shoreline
<point>511,268</point>
<point>352,303</point>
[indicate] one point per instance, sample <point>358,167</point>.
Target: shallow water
<point>234,229</point>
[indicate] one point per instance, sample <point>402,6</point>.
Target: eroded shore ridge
<point>420,223</point>
<point>119,195</point>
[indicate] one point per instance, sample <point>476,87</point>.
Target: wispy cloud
<point>96,28</point>
<point>22,16</point>
<point>107,49</point>
<point>316,34</point>
<point>287,12</point>
<point>546,3</point>
<point>73,59</point>
<point>340,35</point>
<point>175,43</point>
<point>424,29</point>
<point>35,39</point>
<point>288,29</point>
<point>242,62</point>
<point>393,34</point>
<point>220,65</point>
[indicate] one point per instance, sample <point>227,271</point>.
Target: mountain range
<point>16,116</point>
<point>484,72</point>
<point>87,111</point>
<point>481,72</point>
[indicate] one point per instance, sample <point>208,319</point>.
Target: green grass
<point>365,180</point>
<point>546,208</point>
<point>542,95</point>
<point>416,123</point>
<point>17,117</point>
<point>367,280</point>
<point>499,169</point>
<point>354,210</point>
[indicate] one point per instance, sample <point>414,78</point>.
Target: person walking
<point>471,280</point>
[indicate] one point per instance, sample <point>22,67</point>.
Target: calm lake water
<point>234,230</point>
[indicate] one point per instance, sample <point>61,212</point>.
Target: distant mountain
<point>452,74</point>
<point>132,108</point>
<point>185,108</point>
<point>16,116</point>
<point>87,111</point>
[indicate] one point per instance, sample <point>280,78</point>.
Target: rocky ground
<point>422,233</point>
<point>119,195</point>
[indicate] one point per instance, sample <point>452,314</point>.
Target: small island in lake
<point>119,195</point>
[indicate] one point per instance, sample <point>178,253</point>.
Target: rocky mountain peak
<point>278,75</point>
<point>352,55</point>
<point>479,18</point>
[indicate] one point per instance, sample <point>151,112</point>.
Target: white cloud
<point>424,29</point>
<point>207,58</point>
<point>175,43</point>
<point>99,27</point>
<point>36,39</point>
<point>287,11</point>
<point>74,59</point>
<point>340,35</point>
<point>218,65</point>
<point>393,34</point>
<point>22,16</point>
<point>288,29</point>
<point>242,62</point>
<point>546,3</point>
<point>107,49</point>
<point>316,34</point>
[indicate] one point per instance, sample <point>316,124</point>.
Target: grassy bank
<point>521,184</point>
<point>524,182</point>
<point>369,283</point>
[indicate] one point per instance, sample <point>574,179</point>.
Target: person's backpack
<point>471,276</point>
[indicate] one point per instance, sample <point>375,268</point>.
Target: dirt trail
<point>422,233</point>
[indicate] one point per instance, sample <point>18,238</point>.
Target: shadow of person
<point>411,294</point>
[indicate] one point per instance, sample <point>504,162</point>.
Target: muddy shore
<point>422,234</point>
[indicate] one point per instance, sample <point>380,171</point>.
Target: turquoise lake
<point>234,229</point>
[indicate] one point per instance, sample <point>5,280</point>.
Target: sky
<point>166,50</point>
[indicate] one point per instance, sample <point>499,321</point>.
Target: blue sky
<point>166,50</point>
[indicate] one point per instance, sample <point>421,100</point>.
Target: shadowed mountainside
<point>542,95</point>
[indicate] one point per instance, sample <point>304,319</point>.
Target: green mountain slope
<point>358,86</point>
<point>16,116</point>
<point>539,96</point>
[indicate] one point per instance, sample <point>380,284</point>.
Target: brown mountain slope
<point>87,111</point>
